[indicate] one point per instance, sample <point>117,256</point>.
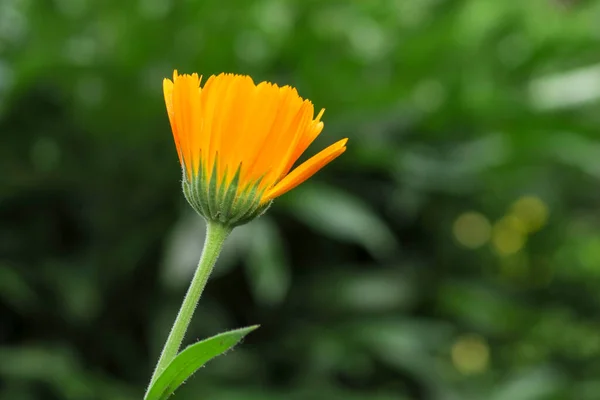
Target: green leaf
<point>191,359</point>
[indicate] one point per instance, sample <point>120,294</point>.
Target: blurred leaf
<point>30,362</point>
<point>62,371</point>
<point>184,248</point>
<point>576,150</point>
<point>191,359</point>
<point>478,307</point>
<point>15,290</point>
<point>536,384</point>
<point>371,291</point>
<point>403,342</point>
<point>265,261</point>
<point>566,90</point>
<point>342,216</point>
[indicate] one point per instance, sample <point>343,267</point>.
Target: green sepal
<point>222,190</point>
<point>201,186</point>
<point>230,195</point>
<point>193,189</point>
<point>247,197</point>
<point>213,204</point>
<point>260,210</point>
<point>220,200</point>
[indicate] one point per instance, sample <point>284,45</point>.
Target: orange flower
<point>237,142</point>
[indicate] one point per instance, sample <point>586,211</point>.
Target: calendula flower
<point>238,141</point>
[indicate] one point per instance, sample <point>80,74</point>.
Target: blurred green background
<point>453,252</point>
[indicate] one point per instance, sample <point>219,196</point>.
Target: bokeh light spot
<point>470,354</point>
<point>508,235</point>
<point>368,40</point>
<point>472,230</point>
<point>532,211</point>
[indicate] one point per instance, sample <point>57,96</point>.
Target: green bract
<point>223,202</point>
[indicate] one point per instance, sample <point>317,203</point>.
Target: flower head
<point>237,143</point>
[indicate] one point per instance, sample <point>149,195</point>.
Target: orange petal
<point>298,127</point>
<point>168,92</point>
<point>308,136</point>
<point>306,170</point>
<point>275,138</point>
<point>186,103</point>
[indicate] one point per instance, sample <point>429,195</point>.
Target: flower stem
<point>215,237</point>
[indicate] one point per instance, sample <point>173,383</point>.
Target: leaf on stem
<point>191,359</point>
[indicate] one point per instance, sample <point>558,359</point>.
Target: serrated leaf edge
<point>169,388</point>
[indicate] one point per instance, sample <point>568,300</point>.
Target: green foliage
<point>450,254</point>
<point>191,359</point>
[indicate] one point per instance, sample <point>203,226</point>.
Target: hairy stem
<point>215,237</point>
